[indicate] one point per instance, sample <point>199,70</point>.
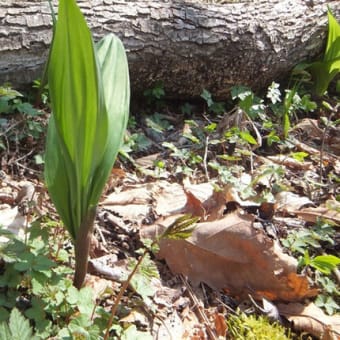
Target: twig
<point>226,306</point>
<point>101,235</point>
<point>324,133</point>
<point>200,313</point>
<point>122,290</point>
<point>205,158</point>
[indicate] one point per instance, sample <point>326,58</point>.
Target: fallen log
<point>188,45</point>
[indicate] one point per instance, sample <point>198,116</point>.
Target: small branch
<point>122,290</point>
<point>200,313</point>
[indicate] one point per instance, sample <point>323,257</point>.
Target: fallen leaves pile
<point>234,250</point>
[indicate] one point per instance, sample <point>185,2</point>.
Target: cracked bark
<point>189,45</point>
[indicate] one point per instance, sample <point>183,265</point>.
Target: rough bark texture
<point>189,45</point>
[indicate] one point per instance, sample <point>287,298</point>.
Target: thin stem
<point>205,158</point>
<point>122,290</point>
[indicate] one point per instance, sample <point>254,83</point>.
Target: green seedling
<point>89,91</point>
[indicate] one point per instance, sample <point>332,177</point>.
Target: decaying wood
<point>189,45</point>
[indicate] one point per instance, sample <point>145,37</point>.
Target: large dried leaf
<point>329,210</point>
<point>312,319</point>
<point>166,199</point>
<point>290,162</point>
<point>231,254</point>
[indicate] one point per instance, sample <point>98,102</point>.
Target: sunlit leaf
<point>324,71</point>
<point>181,229</point>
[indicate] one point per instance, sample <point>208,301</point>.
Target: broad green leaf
<point>324,71</point>
<point>90,102</point>
<point>78,130</point>
<point>115,79</point>
<point>325,263</point>
<point>19,326</point>
<point>333,41</point>
<point>247,137</point>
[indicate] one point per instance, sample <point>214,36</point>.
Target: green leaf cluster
<point>19,118</point>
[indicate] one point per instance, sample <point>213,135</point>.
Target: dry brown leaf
<point>230,254</point>
<point>136,316</point>
<point>194,206</point>
<point>198,199</point>
<point>109,267</point>
<point>288,201</point>
<point>170,328</point>
<point>194,329</point>
<point>331,137</point>
<point>169,198</point>
<point>212,201</point>
<point>313,151</point>
<point>310,125</point>
<point>137,195</point>
<point>99,286</point>
<point>133,204</point>
<point>220,325</point>
<point>330,211</point>
<point>290,162</point>
<point>312,319</point>
<point>267,210</point>
<point>116,176</point>
<point>147,161</point>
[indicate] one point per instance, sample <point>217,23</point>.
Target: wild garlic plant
<point>90,93</point>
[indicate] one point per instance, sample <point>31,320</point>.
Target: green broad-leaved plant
<point>90,94</point>
<point>324,71</point>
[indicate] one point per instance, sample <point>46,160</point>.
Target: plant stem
<point>82,248</point>
<point>122,291</point>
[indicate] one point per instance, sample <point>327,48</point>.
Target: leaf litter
<point>233,253</point>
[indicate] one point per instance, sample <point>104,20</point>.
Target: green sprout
<point>89,90</point>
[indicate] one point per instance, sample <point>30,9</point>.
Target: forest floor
<point>266,237</point>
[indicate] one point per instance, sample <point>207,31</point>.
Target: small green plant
<point>244,327</point>
<point>324,71</point>
<point>19,119</point>
<point>312,240</point>
<point>213,107</point>
<point>155,95</point>
<point>283,109</point>
<point>291,104</point>
<point>323,263</point>
<point>252,105</point>
<point>89,90</point>
<point>301,240</point>
<point>36,278</point>
<point>187,157</point>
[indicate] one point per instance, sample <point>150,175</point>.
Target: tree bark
<point>188,45</point>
